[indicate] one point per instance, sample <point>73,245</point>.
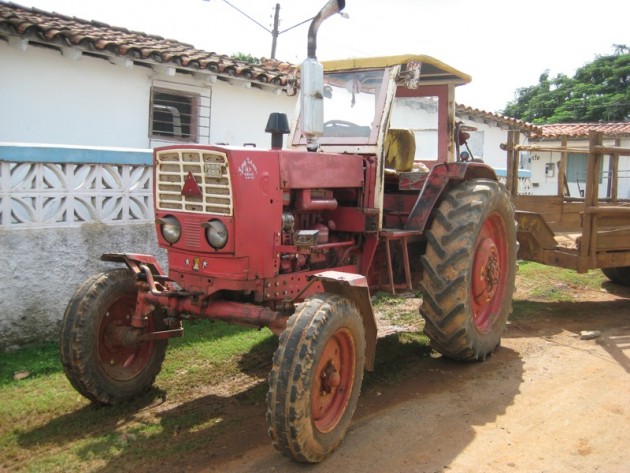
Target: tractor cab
<point>398,112</point>
<point>399,108</point>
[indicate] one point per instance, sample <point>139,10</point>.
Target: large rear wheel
<point>100,359</point>
<point>316,378</point>
<point>469,269</point>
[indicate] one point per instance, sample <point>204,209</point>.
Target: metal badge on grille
<point>213,169</point>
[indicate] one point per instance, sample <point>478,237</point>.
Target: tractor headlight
<point>170,228</point>
<point>216,234</point>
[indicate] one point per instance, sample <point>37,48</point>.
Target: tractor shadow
<point>616,289</point>
<point>218,425</point>
<point>147,434</point>
<point>409,406</point>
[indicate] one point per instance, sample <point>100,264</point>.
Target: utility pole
<point>274,32</point>
<point>276,21</point>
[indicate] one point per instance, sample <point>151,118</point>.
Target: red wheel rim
<point>119,361</point>
<point>333,381</point>
<point>489,272</point>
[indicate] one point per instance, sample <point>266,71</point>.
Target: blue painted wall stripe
<point>60,154</point>
<point>521,172</point>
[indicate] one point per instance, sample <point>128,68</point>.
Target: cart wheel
<point>469,269</point>
<point>619,275</point>
<point>316,378</point>
<point>97,360</point>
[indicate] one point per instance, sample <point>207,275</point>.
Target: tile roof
<point>476,114</point>
<point>540,132</point>
<point>100,38</point>
<point>581,130</point>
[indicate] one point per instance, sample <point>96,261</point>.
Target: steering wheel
<point>339,123</point>
<point>345,129</point>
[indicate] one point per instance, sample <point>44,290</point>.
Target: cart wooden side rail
<point>577,233</point>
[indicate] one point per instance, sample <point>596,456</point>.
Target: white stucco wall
<point>237,121</point>
<point>42,268</point>
<point>57,99</point>
<point>486,143</point>
<point>547,183</point>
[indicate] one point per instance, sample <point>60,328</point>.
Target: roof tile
<point>581,130</point>
<point>500,119</point>
<point>40,25</point>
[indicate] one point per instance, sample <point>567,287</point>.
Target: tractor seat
<point>400,149</point>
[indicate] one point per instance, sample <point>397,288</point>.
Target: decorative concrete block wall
<point>60,209</point>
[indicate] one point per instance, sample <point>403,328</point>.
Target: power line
<point>276,21</point>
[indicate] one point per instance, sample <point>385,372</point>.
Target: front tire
<point>97,362</point>
<point>468,270</point>
<point>316,377</point>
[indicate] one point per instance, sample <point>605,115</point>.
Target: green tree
<point>598,92</point>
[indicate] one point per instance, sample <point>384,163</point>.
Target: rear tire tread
<point>447,266</point>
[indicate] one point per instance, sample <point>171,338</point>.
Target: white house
<point>81,105</point>
<point>491,133</point>
<point>544,164</point>
<point>68,81</point>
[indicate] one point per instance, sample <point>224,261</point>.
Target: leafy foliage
<point>598,92</point>
<point>245,58</point>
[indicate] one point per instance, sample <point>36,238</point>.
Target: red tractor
<point>372,194</point>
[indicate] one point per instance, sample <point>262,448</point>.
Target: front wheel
<point>97,358</point>
<point>468,270</point>
<point>620,275</point>
<point>316,378</point>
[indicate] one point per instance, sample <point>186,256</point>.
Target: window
<point>353,104</point>
<point>576,168</point>
<point>174,115</point>
<point>420,115</point>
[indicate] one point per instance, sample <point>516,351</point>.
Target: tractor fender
<point>355,288</point>
<point>437,182</point>
<point>133,262</point>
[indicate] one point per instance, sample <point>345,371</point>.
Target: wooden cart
<point>583,232</point>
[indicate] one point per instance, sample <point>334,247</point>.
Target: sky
<point>503,45</point>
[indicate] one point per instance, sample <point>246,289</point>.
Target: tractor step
<point>404,237</point>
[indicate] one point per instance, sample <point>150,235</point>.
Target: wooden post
<point>563,184</point>
<point>511,181</point>
<point>613,174</point>
<point>588,245</point>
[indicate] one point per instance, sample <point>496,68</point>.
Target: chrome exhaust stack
<point>312,80</point>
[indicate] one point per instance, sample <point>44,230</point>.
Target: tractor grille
<point>211,173</point>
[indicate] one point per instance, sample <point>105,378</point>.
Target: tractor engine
<point>307,226</point>
<point>220,210</point>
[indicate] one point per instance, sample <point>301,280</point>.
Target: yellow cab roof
<point>432,69</point>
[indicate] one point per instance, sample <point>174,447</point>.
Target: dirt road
<point>545,402</point>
